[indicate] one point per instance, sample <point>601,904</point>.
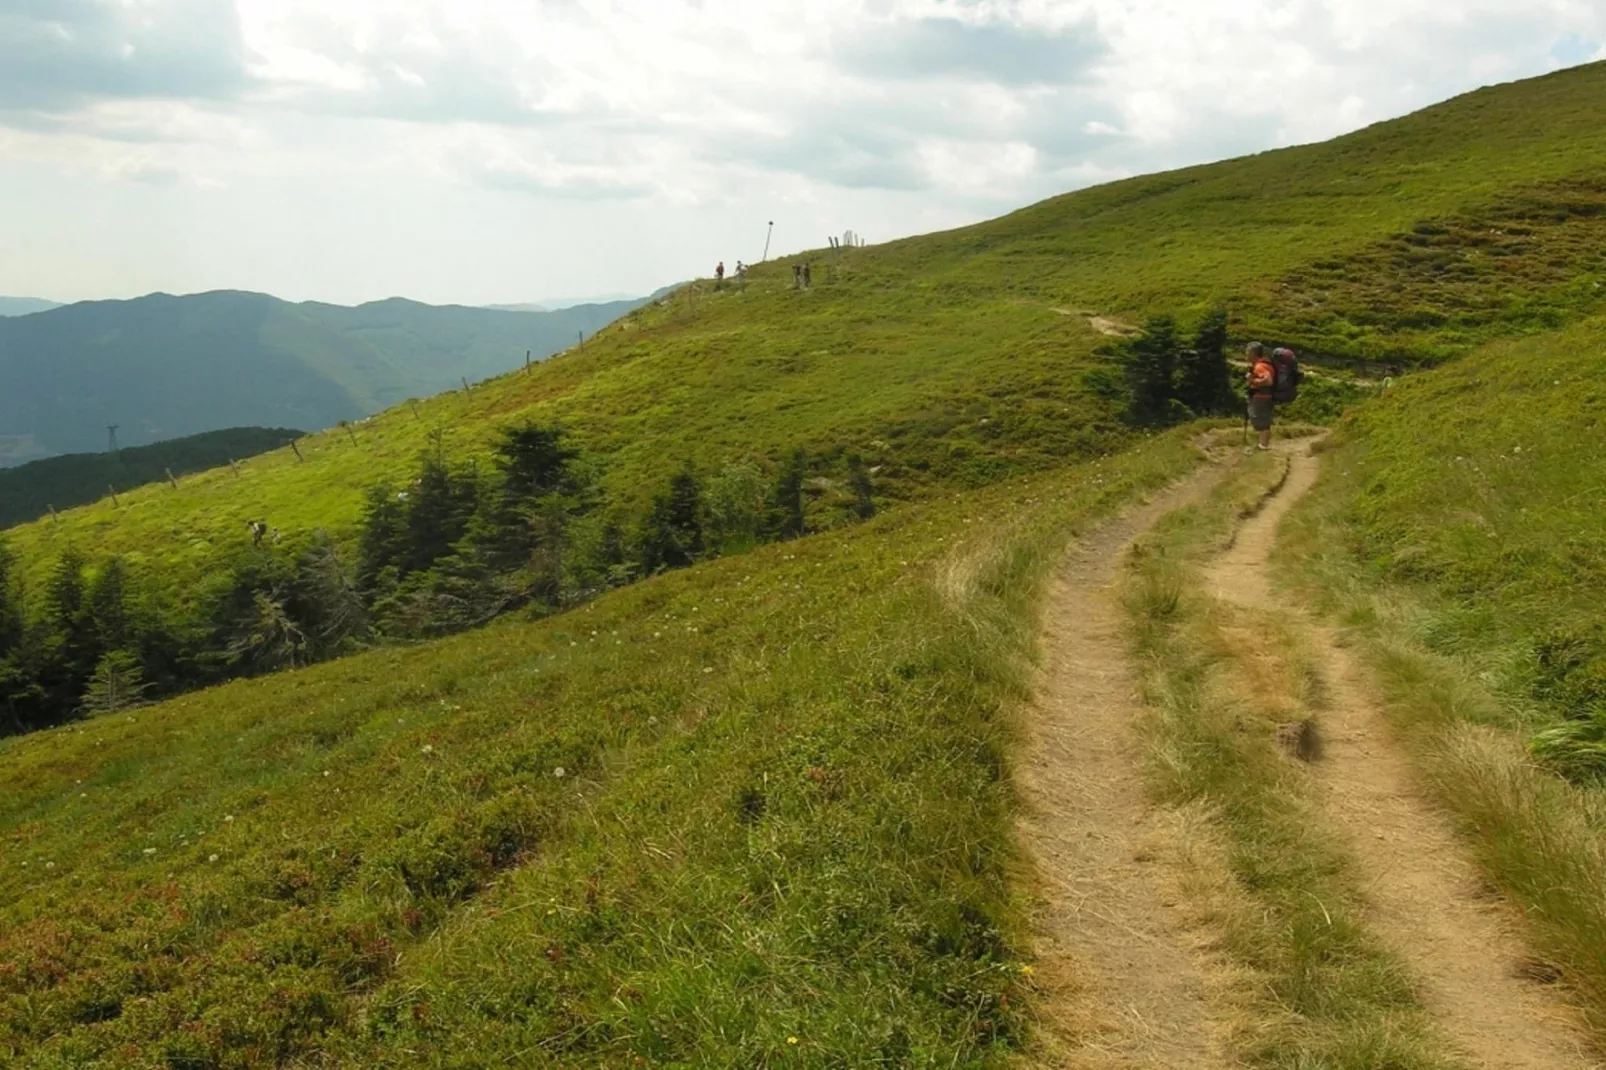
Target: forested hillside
<point>30,490</point>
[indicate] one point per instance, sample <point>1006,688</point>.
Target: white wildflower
<point>211,858</point>
<point>559,772</point>
<point>150,850</point>
<point>429,748</point>
<point>228,818</point>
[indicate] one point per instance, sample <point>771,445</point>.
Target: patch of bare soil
<point>1428,901</point>
<point>1124,986</point>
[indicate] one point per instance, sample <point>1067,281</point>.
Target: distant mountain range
<point>23,306</point>
<point>163,367</point>
<point>554,304</point>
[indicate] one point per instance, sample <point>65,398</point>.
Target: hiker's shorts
<point>1260,412</point>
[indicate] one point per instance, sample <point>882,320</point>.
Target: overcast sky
<point>483,151</point>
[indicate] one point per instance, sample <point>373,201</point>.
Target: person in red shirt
<point>1261,380</point>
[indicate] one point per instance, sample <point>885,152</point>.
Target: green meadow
<point>759,812</point>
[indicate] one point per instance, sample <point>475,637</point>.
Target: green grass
<point>1266,877</point>
<point>784,812</point>
<point>1457,531</point>
<point>942,359</point>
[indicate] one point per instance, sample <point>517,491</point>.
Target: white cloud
<point>499,150</point>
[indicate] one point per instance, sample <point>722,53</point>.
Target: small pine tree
<point>118,683</point>
<point>384,536</point>
<point>1150,362</point>
<point>434,516</point>
<point>107,606</point>
<point>863,489</point>
<point>534,461</point>
<point>328,589</point>
<point>672,536</point>
<point>1204,384</point>
<point>269,639</point>
<point>789,520</point>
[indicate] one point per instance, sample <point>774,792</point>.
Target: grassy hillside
<point>162,367</point>
<point>754,813</point>
<point>958,358</point>
<point>778,838</point>
<point>1479,487</point>
<point>30,490</point>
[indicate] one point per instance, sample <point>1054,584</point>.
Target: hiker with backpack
<point>1273,380</point>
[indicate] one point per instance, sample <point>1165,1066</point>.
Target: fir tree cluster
<point>449,550</point>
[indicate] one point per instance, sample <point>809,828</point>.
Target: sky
<point>499,151</point>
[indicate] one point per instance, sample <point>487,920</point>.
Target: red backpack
<point>1285,387</point>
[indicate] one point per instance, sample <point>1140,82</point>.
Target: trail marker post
<point>767,234</point>
<point>170,478</point>
<point>113,492</point>
<point>297,450</point>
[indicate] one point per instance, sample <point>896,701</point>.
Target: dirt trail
<point>1126,992</point>
<point>1427,902</point>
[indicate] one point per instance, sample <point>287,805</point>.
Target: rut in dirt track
<point>1426,897</point>
<point>1126,989</point>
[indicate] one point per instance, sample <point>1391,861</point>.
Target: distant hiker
<point>806,277</point>
<point>1272,381</point>
<point>741,273</point>
<point>719,275</point>
<point>797,276</point>
<point>258,529</point>
<point>1262,380</point>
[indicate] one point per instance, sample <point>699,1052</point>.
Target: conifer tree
<point>789,518</point>
<point>107,607</point>
<point>1203,382</point>
<point>384,535</point>
<point>672,536</point>
<point>118,683</point>
<point>863,490</point>
<point>1150,362</point>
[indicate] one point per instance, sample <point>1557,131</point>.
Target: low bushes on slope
<point>753,813</point>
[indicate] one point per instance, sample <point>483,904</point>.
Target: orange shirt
<point>1262,377</point>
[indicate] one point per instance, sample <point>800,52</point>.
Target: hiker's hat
<point>1254,349</point>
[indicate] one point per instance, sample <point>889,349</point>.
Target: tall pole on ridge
<point>767,234</point>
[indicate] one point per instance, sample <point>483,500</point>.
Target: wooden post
<point>297,449</point>
<point>352,432</point>
<point>54,519</point>
<point>414,404</point>
<point>466,390</point>
<point>113,492</point>
<point>526,362</point>
<point>582,339</point>
<point>235,467</point>
<point>170,478</point>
